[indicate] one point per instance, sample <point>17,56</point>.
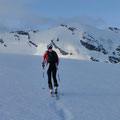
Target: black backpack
<point>52,57</point>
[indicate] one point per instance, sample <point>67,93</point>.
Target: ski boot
<point>56,94</point>
<point>55,90</point>
<point>51,92</point>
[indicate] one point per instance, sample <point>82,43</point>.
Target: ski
<point>57,97</point>
<point>54,94</point>
<point>51,93</point>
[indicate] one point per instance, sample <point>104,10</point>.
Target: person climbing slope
<point>51,59</point>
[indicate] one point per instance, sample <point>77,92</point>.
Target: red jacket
<point>45,58</point>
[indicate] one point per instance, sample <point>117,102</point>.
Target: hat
<point>49,46</point>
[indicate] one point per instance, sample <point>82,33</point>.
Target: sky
<point>44,14</point>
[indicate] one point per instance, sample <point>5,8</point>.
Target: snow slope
<point>91,90</point>
<point>74,41</point>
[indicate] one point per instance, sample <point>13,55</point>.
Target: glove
<point>43,66</point>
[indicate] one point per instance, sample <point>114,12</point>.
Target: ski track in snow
<point>62,111</point>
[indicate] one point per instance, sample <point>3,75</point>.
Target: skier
<point>52,60</point>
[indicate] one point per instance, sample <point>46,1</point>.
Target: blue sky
<point>38,14</point>
<point>68,8</point>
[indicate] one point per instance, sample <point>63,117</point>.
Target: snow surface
<point>91,90</point>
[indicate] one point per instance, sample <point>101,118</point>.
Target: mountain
<point>74,41</point>
<point>91,90</point>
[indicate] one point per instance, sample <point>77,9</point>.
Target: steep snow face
<point>70,41</point>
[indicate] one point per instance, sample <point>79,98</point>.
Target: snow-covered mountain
<point>70,41</point>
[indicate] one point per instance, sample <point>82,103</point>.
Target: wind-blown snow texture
<point>91,90</point>
<point>70,41</point>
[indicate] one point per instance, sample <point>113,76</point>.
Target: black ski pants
<point>52,70</point>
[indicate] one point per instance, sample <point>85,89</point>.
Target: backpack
<point>52,57</point>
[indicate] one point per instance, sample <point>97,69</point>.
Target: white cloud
<point>96,22</point>
<point>15,15</point>
<point>4,28</point>
<point>11,12</point>
<point>36,20</point>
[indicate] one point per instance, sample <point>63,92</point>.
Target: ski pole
<point>61,83</point>
<point>43,79</point>
<point>58,75</point>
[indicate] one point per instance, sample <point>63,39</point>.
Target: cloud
<point>4,28</point>
<point>11,12</point>
<point>14,14</point>
<point>12,7</point>
<point>96,22</point>
<point>38,21</point>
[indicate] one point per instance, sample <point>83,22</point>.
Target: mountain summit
<point>70,41</point>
